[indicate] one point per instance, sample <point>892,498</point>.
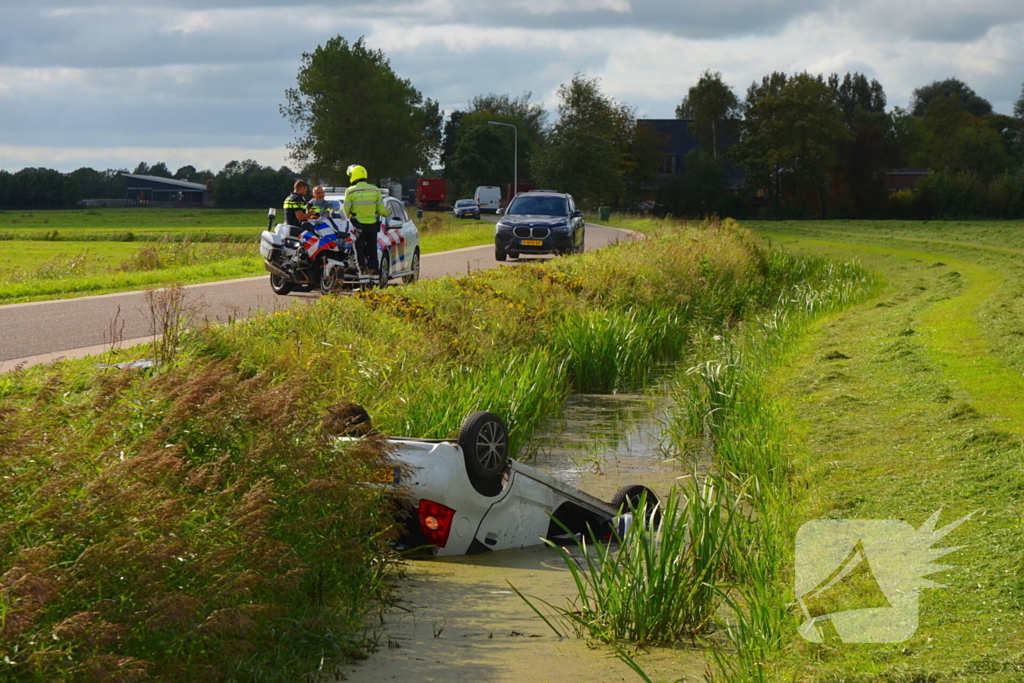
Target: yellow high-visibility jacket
<point>364,202</point>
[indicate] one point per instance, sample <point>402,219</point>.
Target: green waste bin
<point>419,214</point>
<point>604,212</point>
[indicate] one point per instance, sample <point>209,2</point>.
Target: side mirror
<point>499,212</point>
<point>271,213</point>
<point>577,214</point>
<point>395,222</point>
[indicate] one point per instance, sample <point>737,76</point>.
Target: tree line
<point>801,145</point>
<point>796,146</point>
<point>240,184</point>
<point>816,146</point>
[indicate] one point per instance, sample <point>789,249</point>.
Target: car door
<point>409,237</point>
<point>578,225</point>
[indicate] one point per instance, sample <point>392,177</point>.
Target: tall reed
<point>659,582</point>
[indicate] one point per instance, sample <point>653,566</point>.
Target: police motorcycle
<point>323,257</point>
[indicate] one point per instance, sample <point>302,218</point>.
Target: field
<point>909,404</point>
<point>57,254</point>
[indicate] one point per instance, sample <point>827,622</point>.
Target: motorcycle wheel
<point>280,285</point>
<point>385,270</point>
<point>329,283</point>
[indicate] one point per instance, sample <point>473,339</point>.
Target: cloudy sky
<point>109,84</point>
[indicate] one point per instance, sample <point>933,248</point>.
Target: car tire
<point>279,285</point>
<point>384,269</point>
<point>499,255</point>
<point>415,274</point>
<point>627,499</point>
<point>483,438</point>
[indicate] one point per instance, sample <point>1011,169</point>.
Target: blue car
<point>466,208</point>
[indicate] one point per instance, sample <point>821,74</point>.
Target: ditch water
<point>458,619</point>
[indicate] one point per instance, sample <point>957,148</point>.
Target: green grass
<point>197,522</point>
<point>59,254</point>
<point>908,404</point>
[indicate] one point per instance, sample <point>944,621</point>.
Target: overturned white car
<point>468,496</point>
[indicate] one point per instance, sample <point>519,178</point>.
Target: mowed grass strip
<point>905,408</point>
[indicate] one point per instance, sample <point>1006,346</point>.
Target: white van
<point>488,198</point>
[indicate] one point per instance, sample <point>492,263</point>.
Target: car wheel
<point>415,274</point>
<point>483,438</point>
<point>499,255</point>
<point>385,270</point>
<point>627,499</point>
<point>280,285</point>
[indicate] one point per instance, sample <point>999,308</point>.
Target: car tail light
<point>436,521</point>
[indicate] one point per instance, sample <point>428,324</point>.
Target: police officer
<point>295,207</point>
<point>364,204</point>
<point>318,204</point>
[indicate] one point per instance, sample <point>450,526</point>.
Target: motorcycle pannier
<point>270,245</point>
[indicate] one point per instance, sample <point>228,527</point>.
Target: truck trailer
<point>432,194</point>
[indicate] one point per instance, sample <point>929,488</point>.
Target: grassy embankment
<point>910,403</point>
<point>197,521</point>
<point>56,254</point>
<point>893,409</point>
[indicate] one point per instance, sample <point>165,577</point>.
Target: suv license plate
<point>531,243</point>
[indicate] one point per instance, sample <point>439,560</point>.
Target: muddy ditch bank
<point>457,619</point>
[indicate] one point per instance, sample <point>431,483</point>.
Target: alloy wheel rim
<point>490,445</point>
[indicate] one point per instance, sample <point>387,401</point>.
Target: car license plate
<point>531,243</point>
<point>388,475</point>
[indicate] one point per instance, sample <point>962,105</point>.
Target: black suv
<point>539,223</point>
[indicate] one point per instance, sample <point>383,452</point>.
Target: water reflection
<point>617,435</point>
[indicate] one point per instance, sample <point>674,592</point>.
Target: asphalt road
<point>45,331</point>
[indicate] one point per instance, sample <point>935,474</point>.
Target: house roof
<point>183,184</point>
<point>674,135</point>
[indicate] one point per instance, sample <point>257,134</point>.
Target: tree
<point>160,170</point>
<point>246,184</point>
<point>349,107</point>
<point>476,153</point>
<point>954,88</point>
<point>856,94</point>
<point>187,173</point>
<point>90,182</point>
<point>791,134</point>
<point>141,169</point>
<point>39,188</point>
<point>596,151</point>
<point>713,106</point>
<point>948,137</point>
<point>873,148</point>
<point>1016,145</point>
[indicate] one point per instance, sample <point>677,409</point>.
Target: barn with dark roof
<point>674,141</point>
<point>148,190</point>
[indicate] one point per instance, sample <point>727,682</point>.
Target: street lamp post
<point>515,155</point>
